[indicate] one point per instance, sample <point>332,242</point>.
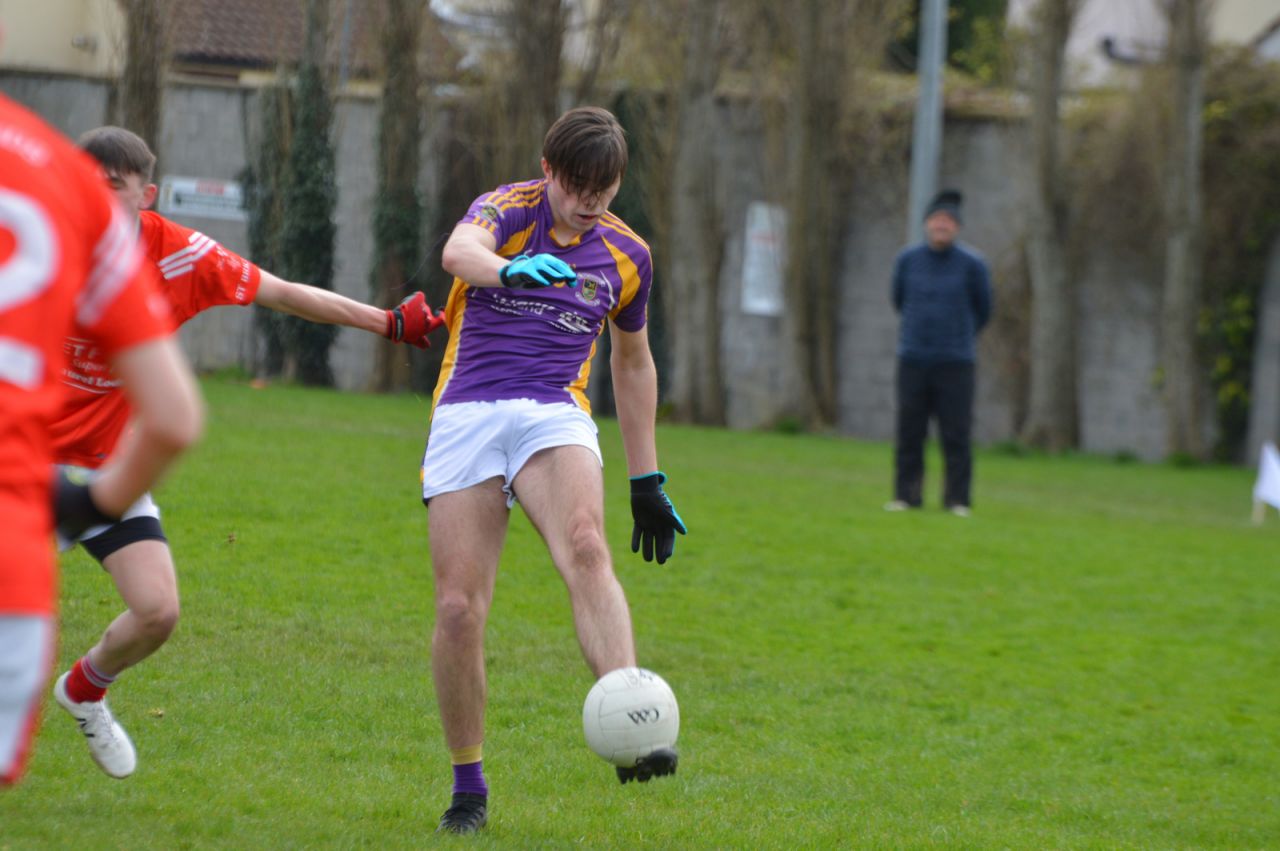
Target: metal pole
<point>926,141</point>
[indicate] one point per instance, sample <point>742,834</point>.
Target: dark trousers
<point>944,391</point>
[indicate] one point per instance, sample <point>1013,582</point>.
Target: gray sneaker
<point>109,744</point>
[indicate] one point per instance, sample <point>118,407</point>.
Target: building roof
<point>257,34</point>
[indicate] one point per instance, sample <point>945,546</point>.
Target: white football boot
<point>109,744</point>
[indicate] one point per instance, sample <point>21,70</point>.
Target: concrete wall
<point>1120,406</point>
<point>980,159</point>
<point>203,135</point>
<point>71,104</point>
<point>205,130</point>
<point>987,161</point>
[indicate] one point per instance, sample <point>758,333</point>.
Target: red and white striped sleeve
<point>198,272</point>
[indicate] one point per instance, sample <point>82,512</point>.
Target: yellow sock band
<point>465,756</point>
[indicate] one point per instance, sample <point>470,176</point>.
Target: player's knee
<point>587,546</point>
<point>158,620</point>
<point>459,613</point>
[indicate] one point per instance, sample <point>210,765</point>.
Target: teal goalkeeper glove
<point>540,270</point>
<point>656,520</point>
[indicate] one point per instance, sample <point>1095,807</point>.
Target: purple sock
<point>470,778</point>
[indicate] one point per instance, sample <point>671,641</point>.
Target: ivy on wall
<point>263,181</point>
<point>1117,160</point>
<point>1242,220</point>
<point>307,229</point>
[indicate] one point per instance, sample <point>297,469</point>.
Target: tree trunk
<point>264,186</point>
<point>1182,203</point>
<point>310,195</point>
<point>529,98</point>
<point>814,221</point>
<point>398,210</point>
<point>696,392</point>
<point>606,27</point>
<point>1052,412</point>
<point>142,82</point>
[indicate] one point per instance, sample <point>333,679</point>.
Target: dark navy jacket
<point>944,298</point>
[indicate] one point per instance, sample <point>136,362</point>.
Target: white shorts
<point>471,442</point>
<point>26,652</point>
<point>145,506</point>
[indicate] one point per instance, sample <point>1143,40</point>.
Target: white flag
<point>1268,487</point>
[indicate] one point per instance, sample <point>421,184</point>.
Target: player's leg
<point>561,490</point>
<point>467,530</point>
<point>955,419</point>
<point>912,428</point>
<point>144,575</point>
<point>138,560</point>
<point>26,643</point>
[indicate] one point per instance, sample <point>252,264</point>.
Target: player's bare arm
<point>470,255</point>
<point>408,322</point>
<point>318,305</point>
<point>635,386</point>
<point>635,382</point>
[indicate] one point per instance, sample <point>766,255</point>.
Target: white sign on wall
<point>203,197</point>
<point>764,259</point>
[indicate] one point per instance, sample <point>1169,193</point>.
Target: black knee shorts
<point>123,534</point>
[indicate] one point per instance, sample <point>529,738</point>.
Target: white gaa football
<point>629,713</point>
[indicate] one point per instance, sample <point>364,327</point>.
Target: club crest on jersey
<point>588,288</point>
<point>490,213</point>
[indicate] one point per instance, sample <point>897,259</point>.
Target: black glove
<point>73,508</point>
<point>656,519</point>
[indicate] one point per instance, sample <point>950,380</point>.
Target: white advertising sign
<point>202,197</point>
<point>764,259</point>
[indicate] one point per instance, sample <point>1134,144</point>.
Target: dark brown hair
<point>586,149</point>
<point>119,151</point>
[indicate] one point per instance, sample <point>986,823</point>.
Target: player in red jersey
<point>67,256</point>
<point>197,273</point>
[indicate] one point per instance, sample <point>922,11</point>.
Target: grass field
<point>1091,661</point>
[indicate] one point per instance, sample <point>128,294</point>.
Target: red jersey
<point>67,259</point>
<point>197,273</point>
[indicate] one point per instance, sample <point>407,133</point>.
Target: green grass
<point>1091,661</point>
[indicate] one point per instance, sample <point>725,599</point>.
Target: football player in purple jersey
<point>540,267</point>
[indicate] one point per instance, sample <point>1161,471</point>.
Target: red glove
<point>411,321</point>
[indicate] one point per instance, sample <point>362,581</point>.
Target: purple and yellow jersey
<point>538,343</point>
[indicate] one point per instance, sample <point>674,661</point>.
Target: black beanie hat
<point>946,201</point>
